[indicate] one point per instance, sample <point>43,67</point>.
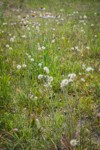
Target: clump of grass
<point>49,75</point>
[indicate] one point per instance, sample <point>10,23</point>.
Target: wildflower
<point>10,48</point>
<point>24,65</point>
<point>72,48</point>
<point>28,28</point>
<point>82,79</point>
<point>84,23</point>
<point>80,73</point>
<point>95,36</point>
<point>46,69</point>
<point>63,38</point>
<point>12,39</point>
<point>29,56</point>
<point>19,16</point>
<point>4,23</point>
<point>39,48</point>
<point>43,48</point>
<point>83,66</point>
<point>77,48</point>
<point>88,47</point>
<point>23,36</point>
<point>40,76</point>
<point>40,64</point>
<point>18,67</point>
<point>89,69</point>
<point>92,25</point>
<point>53,41</point>
<point>32,59</point>
<point>72,76</point>
<point>85,17</point>
<point>49,79</point>
<point>53,29</point>
<point>82,31</point>
<point>64,83</point>
<point>7,45</point>
<point>35,98</point>
<point>73,142</point>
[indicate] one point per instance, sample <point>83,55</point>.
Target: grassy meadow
<point>50,75</point>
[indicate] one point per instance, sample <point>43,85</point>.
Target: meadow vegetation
<point>50,75</point>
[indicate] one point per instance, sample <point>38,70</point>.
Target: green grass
<point>65,38</point>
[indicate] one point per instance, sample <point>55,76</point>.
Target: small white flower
<point>46,69</point>
<point>92,25</point>
<point>40,76</point>
<point>28,28</point>
<point>10,48</point>
<point>64,83</point>
<point>53,29</point>
<point>85,17</point>
<point>4,23</point>
<point>63,38</point>
<point>24,65</point>
<point>35,98</point>
<point>89,69</point>
<point>23,36</point>
<point>53,41</point>
<point>32,59</point>
<point>82,31</point>
<point>18,67</point>
<point>88,47</point>
<point>83,66</point>
<point>29,56</point>
<point>49,79</point>
<point>84,23</point>
<point>82,79</point>
<point>19,16</point>
<point>80,73</point>
<point>12,39</point>
<point>43,48</point>
<point>95,36</point>
<point>72,76</point>
<point>7,45</point>
<point>73,142</point>
<point>77,48</point>
<point>72,48</point>
<point>40,64</point>
<point>39,48</point>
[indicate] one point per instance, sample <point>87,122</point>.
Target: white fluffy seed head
<point>46,69</point>
<point>89,69</point>
<point>40,76</point>
<point>18,67</point>
<point>73,142</point>
<point>64,83</point>
<point>24,65</point>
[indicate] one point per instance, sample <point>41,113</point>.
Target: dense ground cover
<point>49,75</point>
